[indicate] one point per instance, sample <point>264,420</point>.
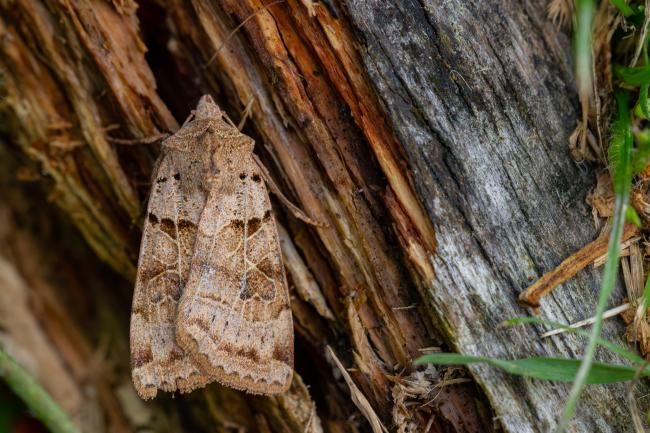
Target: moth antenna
<point>231,34</point>
<point>276,190</point>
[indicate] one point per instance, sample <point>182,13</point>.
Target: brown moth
<point>234,316</point>
<point>211,242</point>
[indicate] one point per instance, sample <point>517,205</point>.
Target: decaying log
<point>431,138</point>
<point>484,118</point>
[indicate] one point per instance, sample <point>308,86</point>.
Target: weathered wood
<point>410,128</point>
<point>303,73</point>
<point>481,97</point>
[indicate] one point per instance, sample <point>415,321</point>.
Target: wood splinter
<point>570,267</point>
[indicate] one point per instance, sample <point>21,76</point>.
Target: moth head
<point>207,109</point>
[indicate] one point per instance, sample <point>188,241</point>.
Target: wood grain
<point>481,97</point>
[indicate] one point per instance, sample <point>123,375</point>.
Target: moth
<point>211,301</point>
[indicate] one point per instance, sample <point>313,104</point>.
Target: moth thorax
<point>239,146</point>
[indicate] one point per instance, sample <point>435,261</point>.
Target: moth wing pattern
<point>234,315</point>
<point>173,212</point>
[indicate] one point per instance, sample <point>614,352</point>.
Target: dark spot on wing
<point>185,225</point>
<point>168,226</point>
<point>226,347</point>
<point>237,226</point>
<point>266,266</point>
<point>267,215</point>
<point>142,356</point>
<point>257,285</point>
<point>177,176</point>
<point>256,178</point>
<point>176,355</point>
<point>281,354</point>
<point>253,225</point>
<point>140,311</point>
<point>249,354</point>
<point>242,176</point>
<point>153,219</point>
<point>176,294</point>
<point>152,269</point>
<point>201,324</point>
<point>161,180</point>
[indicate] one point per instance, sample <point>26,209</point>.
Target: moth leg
<point>246,113</point>
<point>276,190</point>
<point>190,117</point>
<point>144,140</point>
<point>229,120</point>
<point>243,115</point>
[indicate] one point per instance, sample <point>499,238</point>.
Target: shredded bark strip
<point>570,267</point>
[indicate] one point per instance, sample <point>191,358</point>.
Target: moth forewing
<point>211,242</point>
<point>176,201</point>
<point>234,316</point>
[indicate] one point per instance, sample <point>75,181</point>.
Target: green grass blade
<point>641,156</point>
<point>620,156</point>
<point>623,7</point>
<point>554,369</point>
<point>582,46</point>
<point>630,356</point>
<point>633,76</point>
<point>643,101</point>
<point>646,294</point>
<point>34,396</point>
<point>632,217</point>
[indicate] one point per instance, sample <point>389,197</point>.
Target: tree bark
<point>485,118</point>
<point>431,138</point>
